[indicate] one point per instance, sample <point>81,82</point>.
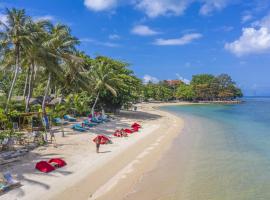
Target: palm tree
<point>104,78</point>
<point>60,46</point>
<point>34,54</point>
<point>14,36</point>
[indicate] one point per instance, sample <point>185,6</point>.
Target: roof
<point>173,82</point>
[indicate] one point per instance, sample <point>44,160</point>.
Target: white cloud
<point>143,30</point>
<point>147,78</point>
<point>188,38</point>
<point>265,22</point>
<point>99,43</point>
<point>114,37</point>
<point>154,8</point>
<point>100,5</point>
<point>254,40</point>
<point>211,5</point>
<point>3,18</point>
<point>186,81</point>
<point>45,17</point>
<point>246,18</point>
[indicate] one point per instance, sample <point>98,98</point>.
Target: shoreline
<point>98,175</point>
<point>148,159</point>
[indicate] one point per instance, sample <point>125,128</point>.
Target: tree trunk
<point>62,128</point>
<point>46,93</point>
<point>17,53</point>
<point>30,89</point>
<point>26,82</point>
<point>93,108</point>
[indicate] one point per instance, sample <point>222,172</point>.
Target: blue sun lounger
<point>95,120</point>
<point>78,127</point>
<point>59,121</point>
<point>69,118</point>
<point>7,182</point>
<point>87,123</point>
<point>104,118</point>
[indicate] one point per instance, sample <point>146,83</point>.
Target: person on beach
<point>97,144</point>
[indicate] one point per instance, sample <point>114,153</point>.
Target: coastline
<point>98,176</point>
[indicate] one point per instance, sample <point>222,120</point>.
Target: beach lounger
<point>87,123</point>
<point>79,127</point>
<point>95,120</point>
<point>136,125</point>
<point>128,131</point>
<point>135,129</point>
<point>59,121</point>
<point>57,162</point>
<point>69,118</point>
<point>44,166</point>
<point>104,118</point>
<point>120,133</point>
<point>7,182</point>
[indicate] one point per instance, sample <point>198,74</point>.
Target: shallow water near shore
<point>223,153</point>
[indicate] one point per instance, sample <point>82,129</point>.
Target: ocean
<point>223,153</point>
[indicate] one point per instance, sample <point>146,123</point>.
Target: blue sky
<point>170,39</point>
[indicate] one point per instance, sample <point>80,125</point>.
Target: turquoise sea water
<point>222,154</point>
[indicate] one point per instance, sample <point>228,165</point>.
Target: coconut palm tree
<point>33,54</point>
<point>60,46</point>
<point>14,36</point>
<point>103,79</point>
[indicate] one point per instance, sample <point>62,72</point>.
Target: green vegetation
<point>39,59</point>
<point>203,87</point>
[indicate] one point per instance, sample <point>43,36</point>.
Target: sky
<point>169,39</point>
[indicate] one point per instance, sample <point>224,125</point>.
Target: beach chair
<point>59,121</point>
<point>95,120</point>
<point>120,133</point>
<point>79,127</point>
<point>7,182</point>
<point>104,118</point>
<point>87,123</point>
<point>69,118</point>
<point>44,166</point>
<point>129,131</point>
<point>57,162</point>
<point>136,125</point>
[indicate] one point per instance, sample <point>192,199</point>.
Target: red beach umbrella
<point>101,139</point>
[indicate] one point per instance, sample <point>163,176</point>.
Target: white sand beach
<point>89,175</point>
